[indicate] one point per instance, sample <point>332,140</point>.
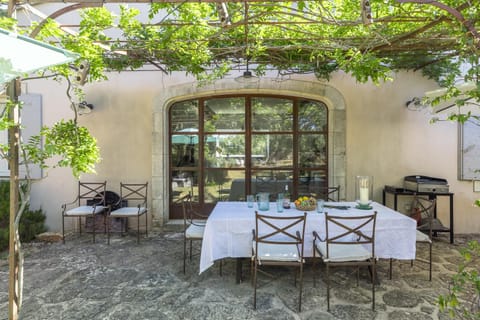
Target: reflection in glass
<point>183,182</point>
<point>272,181</point>
<point>312,150</point>
<point>217,127</point>
<point>312,182</point>
<point>184,116</point>
<point>312,116</point>
<point>224,185</point>
<point>184,154</point>
<point>272,150</point>
<point>272,114</point>
<point>224,114</point>
<point>224,150</point>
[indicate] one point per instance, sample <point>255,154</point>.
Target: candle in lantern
<point>363,195</point>
<point>363,185</point>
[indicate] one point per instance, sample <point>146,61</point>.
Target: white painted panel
<point>31,122</point>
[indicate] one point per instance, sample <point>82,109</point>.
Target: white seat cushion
<point>194,232</point>
<point>84,211</point>
<point>128,211</point>
<point>422,237</point>
<point>343,252</point>
<point>277,252</point>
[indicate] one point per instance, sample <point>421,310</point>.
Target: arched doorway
<point>292,89</point>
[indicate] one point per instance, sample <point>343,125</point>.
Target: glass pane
<point>272,150</point>
<point>272,114</point>
<point>224,114</point>
<point>313,151</point>
<point>184,155</point>
<point>224,185</point>
<point>312,182</point>
<point>184,182</point>
<point>224,151</point>
<point>272,181</point>
<point>184,116</point>
<point>312,116</point>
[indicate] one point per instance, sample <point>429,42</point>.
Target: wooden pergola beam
<point>33,2</point>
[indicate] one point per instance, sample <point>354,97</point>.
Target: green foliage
<point>319,37</point>
<point>76,147</point>
<point>32,223</point>
<point>463,299</point>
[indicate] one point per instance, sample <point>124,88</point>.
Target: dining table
<point>228,230</point>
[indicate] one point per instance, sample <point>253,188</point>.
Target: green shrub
<point>463,299</point>
<point>32,223</point>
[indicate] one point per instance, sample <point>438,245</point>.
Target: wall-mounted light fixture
<point>83,107</point>
<point>415,104</point>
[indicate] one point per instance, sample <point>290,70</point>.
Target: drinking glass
<point>320,204</point>
<point>280,205</point>
<point>250,200</point>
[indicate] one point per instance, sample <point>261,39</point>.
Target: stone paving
<point>126,280</point>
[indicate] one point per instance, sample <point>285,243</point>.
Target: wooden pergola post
<point>13,141</point>
<point>13,90</point>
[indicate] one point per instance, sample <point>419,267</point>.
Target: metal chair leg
<point>146,225</point>
<point>430,256</point>
<point>108,229</point>
<point>184,254</point>
<point>328,287</point>
<point>373,286</point>
<point>255,287</point>
<point>391,270</point>
<point>138,229</point>
<point>301,289</point>
<point>63,229</point>
<point>191,250</point>
<point>94,218</point>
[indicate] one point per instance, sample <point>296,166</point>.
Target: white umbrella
<point>20,55</point>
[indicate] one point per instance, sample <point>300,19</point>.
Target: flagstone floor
<point>126,280</point>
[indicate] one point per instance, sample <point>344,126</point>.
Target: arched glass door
<point>222,148</point>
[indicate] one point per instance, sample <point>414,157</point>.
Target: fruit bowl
<point>306,204</point>
<point>306,208</point>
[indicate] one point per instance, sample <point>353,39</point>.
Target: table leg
<point>451,219</point>
<point>238,274</point>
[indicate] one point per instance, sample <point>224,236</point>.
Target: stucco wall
<point>383,138</point>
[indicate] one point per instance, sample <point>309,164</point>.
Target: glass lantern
<point>363,190</point>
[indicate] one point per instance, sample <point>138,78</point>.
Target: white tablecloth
<point>228,232</point>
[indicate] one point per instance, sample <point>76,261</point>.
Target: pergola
<point>208,38</point>
<point>367,39</point>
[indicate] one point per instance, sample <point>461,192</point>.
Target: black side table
<point>396,191</point>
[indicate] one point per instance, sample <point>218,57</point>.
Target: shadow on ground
<point>126,280</point>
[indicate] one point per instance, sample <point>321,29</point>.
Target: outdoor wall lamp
<point>84,107</point>
<point>415,104</point>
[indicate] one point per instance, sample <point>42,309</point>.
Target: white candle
<point>363,195</point>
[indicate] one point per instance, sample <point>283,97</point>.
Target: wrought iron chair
<point>90,201</point>
<point>135,196</point>
<point>348,241</point>
<point>328,193</point>
<point>267,184</point>
<point>423,211</point>
<point>194,226</point>
<point>278,241</point>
